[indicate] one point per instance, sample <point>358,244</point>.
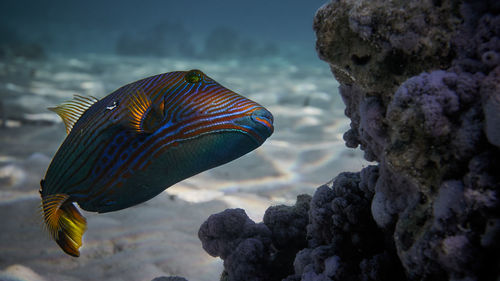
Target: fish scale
<point>141,139</point>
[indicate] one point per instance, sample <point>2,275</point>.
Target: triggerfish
<point>131,145</point>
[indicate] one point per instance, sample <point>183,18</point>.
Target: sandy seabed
<point>159,237</point>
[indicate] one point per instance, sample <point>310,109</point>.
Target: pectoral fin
<point>144,116</point>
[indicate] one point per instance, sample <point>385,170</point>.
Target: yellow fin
<point>143,117</point>
<point>64,222</point>
<point>71,111</point>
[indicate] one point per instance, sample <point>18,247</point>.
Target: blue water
<point>264,50</point>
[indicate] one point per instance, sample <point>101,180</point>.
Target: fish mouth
<point>264,121</point>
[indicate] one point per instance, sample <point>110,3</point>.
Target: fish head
<point>198,105</point>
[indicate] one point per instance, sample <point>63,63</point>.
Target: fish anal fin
<point>71,111</point>
<point>64,222</point>
<point>144,117</point>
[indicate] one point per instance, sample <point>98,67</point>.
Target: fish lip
<point>263,118</point>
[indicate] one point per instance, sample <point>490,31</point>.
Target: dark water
<point>97,26</point>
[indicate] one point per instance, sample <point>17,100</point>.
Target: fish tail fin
<point>64,222</point>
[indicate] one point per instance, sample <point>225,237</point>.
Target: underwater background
<point>263,50</point>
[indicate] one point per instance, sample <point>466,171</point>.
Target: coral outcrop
<point>344,242</point>
<point>257,251</point>
<point>421,84</point>
<point>429,125</point>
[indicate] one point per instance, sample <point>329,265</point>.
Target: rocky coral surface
<point>421,84</point>
<point>257,251</point>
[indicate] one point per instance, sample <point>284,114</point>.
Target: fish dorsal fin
<point>71,111</point>
<point>144,117</point>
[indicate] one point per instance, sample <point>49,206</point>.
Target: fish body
<point>139,140</point>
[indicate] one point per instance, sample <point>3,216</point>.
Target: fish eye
<point>193,76</point>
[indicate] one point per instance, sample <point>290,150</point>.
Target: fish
<point>144,137</point>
